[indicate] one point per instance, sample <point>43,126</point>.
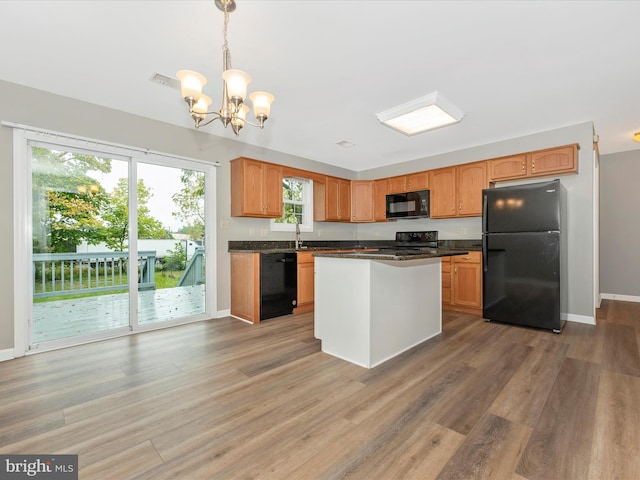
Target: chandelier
<point>233,109</point>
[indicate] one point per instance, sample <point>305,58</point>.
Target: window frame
<point>307,208</point>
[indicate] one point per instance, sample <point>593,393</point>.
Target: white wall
<point>620,225</point>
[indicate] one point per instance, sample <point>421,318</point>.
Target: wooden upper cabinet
<point>408,183</point>
<point>344,200</point>
<point>457,191</point>
<point>362,205</point>
<point>552,161</point>
<point>417,181</point>
<point>332,200</point>
<point>256,188</point>
<point>508,167</point>
<point>380,200</point>
<point>442,195</point>
<point>471,180</point>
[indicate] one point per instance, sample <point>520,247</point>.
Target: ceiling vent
<point>165,80</point>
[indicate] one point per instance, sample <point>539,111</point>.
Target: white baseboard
<point>622,298</point>
<point>223,313</point>
<point>570,317</point>
<point>7,354</point>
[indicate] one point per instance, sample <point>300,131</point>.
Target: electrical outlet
<point>264,232</point>
<point>252,232</point>
<point>463,231</point>
<point>319,233</point>
<point>224,223</point>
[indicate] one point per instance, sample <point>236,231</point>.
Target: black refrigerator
<point>524,255</point>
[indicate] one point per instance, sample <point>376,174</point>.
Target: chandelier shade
<point>191,83</point>
<point>233,109</point>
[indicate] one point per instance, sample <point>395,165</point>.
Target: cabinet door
<point>417,181</point>
<point>305,284</point>
<point>380,200</point>
<point>443,192</point>
<point>245,286</point>
<point>272,190</point>
<point>397,184</point>
<point>507,168</point>
<point>332,188</point>
<point>362,201</point>
<point>344,200</point>
<point>466,280</point>
<point>552,161</point>
<point>446,280</point>
<point>471,178</point>
<point>251,185</point>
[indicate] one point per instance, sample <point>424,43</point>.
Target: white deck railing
<point>58,274</point>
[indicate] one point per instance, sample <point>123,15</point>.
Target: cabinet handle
<point>453,208</point>
<point>523,167</point>
<point>460,206</point>
<point>533,165</point>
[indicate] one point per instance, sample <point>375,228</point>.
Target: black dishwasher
<point>278,284</point>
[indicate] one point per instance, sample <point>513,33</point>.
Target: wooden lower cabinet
<point>245,286</point>
<point>305,282</point>
<point>462,283</point>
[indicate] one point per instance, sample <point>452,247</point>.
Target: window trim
<point>307,202</point>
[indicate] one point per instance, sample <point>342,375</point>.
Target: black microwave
<point>408,205</point>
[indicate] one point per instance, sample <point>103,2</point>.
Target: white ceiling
<point>514,67</point>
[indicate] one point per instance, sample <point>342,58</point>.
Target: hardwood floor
<point>228,400</point>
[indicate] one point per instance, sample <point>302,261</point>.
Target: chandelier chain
<point>225,47</point>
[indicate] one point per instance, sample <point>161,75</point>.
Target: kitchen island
<point>372,306</point>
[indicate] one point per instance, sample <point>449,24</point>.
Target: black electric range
<point>412,243</point>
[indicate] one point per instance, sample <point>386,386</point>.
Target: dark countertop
<point>457,247</point>
<point>386,255</point>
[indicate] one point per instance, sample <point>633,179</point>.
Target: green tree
<point>190,202</point>
<point>177,260</point>
<point>115,214</point>
<point>66,199</point>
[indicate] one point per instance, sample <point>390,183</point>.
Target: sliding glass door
<point>80,276</point>
<point>171,226</point>
<point>88,280</point>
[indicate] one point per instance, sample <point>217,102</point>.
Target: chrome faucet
<point>298,239</point>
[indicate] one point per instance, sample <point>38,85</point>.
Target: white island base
<point>368,311</point>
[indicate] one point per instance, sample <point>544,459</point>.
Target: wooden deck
<point>81,316</point>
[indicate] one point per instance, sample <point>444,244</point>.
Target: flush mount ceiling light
<point>422,114</point>
<point>234,90</point>
<point>636,137</point>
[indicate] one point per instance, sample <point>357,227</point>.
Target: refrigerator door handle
<point>484,212</point>
<point>484,253</point>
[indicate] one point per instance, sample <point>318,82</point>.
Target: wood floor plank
<point>623,313</point>
<point>523,398</point>
<point>621,353</point>
<point>560,445</point>
<point>226,399</point>
<point>490,451</point>
<point>587,342</point>
<point>465,406</point>
<point>127,464</point>
<point>617,428</point>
